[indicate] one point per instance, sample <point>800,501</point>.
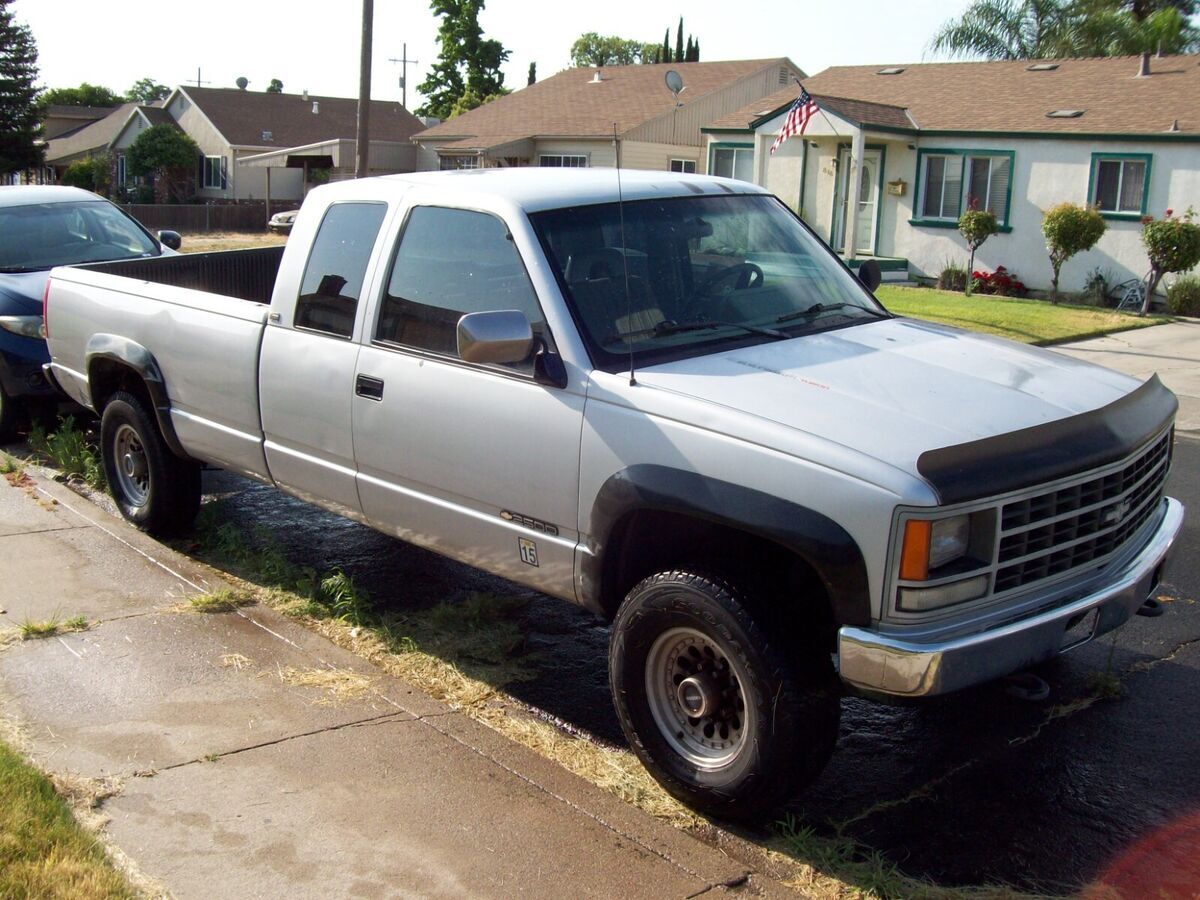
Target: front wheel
<point>154,489</point>
<point>718,715</point>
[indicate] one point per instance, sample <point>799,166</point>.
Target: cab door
<point>307,364</point>
<point>479,462</point>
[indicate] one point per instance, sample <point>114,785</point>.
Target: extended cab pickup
<point>667,401</point>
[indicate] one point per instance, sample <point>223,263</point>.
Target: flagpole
<point>818,105</point>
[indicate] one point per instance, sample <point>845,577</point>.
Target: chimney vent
<point>1144,66</point>
<point>316,107</point>
<point>596,78</point>
<point>1174,125</point>
<point>304,95</point>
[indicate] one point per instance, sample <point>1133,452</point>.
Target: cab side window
<point>451,262</point>
<point>337,264</point>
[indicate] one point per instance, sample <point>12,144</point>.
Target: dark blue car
<point>42,227</point>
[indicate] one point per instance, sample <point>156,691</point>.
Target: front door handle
<point>366,386</point>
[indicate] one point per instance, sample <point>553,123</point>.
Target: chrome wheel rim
<point>133,470</point>
<point>696,693</point>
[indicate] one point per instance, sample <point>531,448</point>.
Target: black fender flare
<point>818,540</point>
<point>133,356</point>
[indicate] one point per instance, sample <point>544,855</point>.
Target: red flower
<point>1170,212</point>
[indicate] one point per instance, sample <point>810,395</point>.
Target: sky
<point>305,45</point>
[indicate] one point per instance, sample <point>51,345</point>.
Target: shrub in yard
<point>1069,229</point>
<point>952,278</point>
<point>1173,245</point>
<point>976,225</point>
<point>1001,283</point>
<point>1183,297</point>
<point>1095,289</point>
<point>91,174</point>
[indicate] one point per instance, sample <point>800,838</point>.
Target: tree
<point>19,124</point>
<point>532,79</point>
<point>1173,245</point>
<point>275,87</point>
<point>592,49</point>
<point>1070,229</point>
<point>666,47</point>
<point>976,225</point>
<point>1039,29</point>
<point>170,156</point>
<point>467,60</point>
<point>147,90</point>
<point>92,174</point>
<point>679,42</point>
<point>84,95</point>
<point>469,101</point>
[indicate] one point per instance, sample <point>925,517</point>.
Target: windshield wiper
<point>826,307</point>
<point>13,270</point>
<point>670,326</point>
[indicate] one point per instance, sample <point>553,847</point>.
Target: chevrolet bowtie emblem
<point>1114,515</point>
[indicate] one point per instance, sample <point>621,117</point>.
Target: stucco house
<point>569,119</point>
<point>920,142</point>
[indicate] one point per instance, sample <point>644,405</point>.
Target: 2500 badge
<point>528,522</point>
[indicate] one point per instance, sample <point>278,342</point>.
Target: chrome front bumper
<point>889,664</point>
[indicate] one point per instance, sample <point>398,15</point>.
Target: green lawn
<point>44,852</point>
<point>1028,321</point>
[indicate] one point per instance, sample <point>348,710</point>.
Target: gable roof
<point>1006,96</point>
<point>99,135</point>
<point>860,112</point>
<point>242,117</point>
<point>572,104</point>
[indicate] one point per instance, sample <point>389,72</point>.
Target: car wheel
<point>8,417</point>
<point>154,489</point>
<point>715,711</point>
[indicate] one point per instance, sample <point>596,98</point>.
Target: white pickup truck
<point>669,402</point>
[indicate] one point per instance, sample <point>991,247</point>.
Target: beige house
<point>897,152</point>
<point>569,119</point>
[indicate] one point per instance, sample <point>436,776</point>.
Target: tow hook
<point>1151,609</point>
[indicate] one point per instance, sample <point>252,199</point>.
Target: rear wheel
<point>8,417</point>
<point>154,489</point>
<point>716,712</point>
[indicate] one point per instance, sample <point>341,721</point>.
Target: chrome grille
<point>1066,528</point>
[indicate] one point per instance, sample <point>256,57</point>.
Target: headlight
<point>26,326</point>
<point>947,554</point>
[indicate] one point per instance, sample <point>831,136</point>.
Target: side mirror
<point>499,336</point>
<point>870,275</point>
<point>170,239</point>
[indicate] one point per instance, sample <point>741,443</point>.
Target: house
<point>250,138</point>
<point>569,119</point>
<point>282,139</point>
<point>923,141</point>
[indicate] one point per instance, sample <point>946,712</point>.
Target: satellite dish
<point>674,82</point>
<point>242,82</point>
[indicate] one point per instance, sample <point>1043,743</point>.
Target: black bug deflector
<point>1043,453</point>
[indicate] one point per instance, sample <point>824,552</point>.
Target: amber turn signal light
<point>914,555</point>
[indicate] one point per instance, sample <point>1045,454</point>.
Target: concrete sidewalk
<point>1172,350</point>
<point>237,782</point>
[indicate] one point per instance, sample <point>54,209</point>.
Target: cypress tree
<point>666,48</point>
<point>19,123</point>
<point>679,57</point>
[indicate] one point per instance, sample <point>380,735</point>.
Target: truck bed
<point>245,274</point>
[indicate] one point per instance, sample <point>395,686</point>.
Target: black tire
<point>9,416</point>
<point>778,741</point>
<point>154,489</point>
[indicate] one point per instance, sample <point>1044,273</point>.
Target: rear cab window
<point>337,266</point>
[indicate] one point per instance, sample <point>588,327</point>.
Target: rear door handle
<point>366,386</point>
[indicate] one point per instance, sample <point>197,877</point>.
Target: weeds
<point>32,629</point>
<point>69,450</point>
<point>224,600</point>
<point>10,465</point>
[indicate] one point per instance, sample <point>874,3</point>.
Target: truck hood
<point>896,388</point>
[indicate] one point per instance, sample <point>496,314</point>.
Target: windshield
<point>704,274</point>
<point>43,235</point>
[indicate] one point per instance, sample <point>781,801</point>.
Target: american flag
<point>797,118</point>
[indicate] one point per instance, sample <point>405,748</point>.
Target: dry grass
<point>236,661</point>
<point>207,242</point>
<point>222,601</point>
<point>339,685</point>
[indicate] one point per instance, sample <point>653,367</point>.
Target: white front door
<point>866,203</point>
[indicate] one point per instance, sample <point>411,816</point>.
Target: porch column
<point>268,193</point>
<point>851,212</point>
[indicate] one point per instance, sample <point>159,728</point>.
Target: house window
<point>458,161</point>
<point>213,172</point>
<point>733,162</point>
<point>952,181</point>
<point>121,170</point>
<point>687,166</point>
<point>560,160</point>
<point>1120,183</point>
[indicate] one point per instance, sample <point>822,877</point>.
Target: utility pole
<point>404,62</point>
<point>362,141</point>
